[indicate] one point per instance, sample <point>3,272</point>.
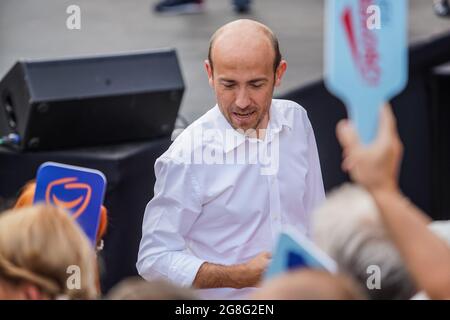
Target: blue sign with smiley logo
<point>79,190</point>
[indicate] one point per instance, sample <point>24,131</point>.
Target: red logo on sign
<point>365,51</point>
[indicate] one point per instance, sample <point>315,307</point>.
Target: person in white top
<point>231,181</point>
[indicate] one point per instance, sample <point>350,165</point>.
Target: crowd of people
<point>360,225</point>
<point>210,228</point>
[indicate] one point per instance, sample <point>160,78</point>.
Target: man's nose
<point>242,99</point>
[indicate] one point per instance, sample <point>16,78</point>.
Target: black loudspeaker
<point>92,100</point>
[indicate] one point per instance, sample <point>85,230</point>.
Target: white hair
<point>441,229</point>
<point>348,227</point>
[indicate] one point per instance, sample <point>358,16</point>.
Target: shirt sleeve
<point>168,218</point>
<point>314,193</point>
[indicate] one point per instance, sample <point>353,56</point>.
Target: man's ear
<point>209,71</point>
<point>280,72</point>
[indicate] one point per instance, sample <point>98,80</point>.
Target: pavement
<point>37,29</point>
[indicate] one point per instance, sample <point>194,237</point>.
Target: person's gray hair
<point>348,227</point>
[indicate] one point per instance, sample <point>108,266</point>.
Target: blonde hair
<point>38,244</point>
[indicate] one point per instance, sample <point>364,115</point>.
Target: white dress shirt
<point>227,211</point>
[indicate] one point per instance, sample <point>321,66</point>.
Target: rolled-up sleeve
<point>169,216</point>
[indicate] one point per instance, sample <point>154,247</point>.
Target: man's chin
<point>243,128</point>
<point>243,125</point>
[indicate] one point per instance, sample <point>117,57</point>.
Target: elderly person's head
<point>244,66</point>
<point>45,255</point>
<point>309,284</point>
<point>348,227</point>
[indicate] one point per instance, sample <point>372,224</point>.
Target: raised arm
<point>376,168</point>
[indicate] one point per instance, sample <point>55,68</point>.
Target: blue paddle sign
<point>366,60</point>
<point>294,251</point>
<point>76,189</point>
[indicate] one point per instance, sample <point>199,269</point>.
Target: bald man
<point>235,177</point>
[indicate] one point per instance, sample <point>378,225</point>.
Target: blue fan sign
<point>76,189</point>
<point>293,251</point>
<point>366,60</point>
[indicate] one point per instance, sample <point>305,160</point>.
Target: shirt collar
<point>234,139</point>
<point>278,119</point>
<point>230,138</point>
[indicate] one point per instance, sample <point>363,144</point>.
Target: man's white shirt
<point>222,197</point>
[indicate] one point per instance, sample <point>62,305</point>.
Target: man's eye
<point>256,85</point>
<point>229,85</point>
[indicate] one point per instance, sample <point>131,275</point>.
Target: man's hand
<point>237,276</point>
<point>375,166</point>
<point>256,267</point>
